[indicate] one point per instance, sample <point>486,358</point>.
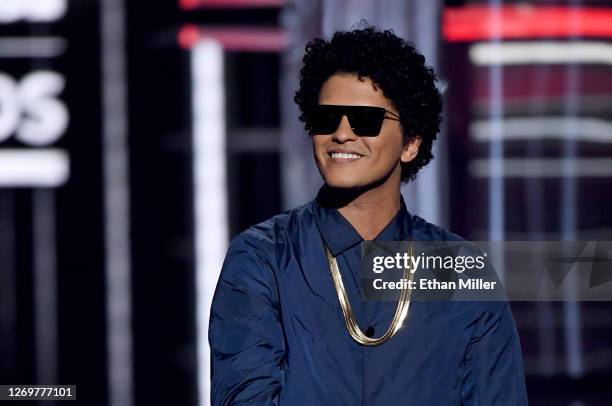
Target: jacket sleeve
<point>493,364</point>
<point>245,333</point>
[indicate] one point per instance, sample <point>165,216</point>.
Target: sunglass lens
<point>366,121</point>
<point>324,119</point>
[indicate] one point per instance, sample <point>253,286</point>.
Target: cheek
<point>387,148</point>
<point>318,146</point>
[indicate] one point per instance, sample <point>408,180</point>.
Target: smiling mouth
<point>344,156</point>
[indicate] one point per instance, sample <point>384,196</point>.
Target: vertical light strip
<point>45,286</point>
<point>423,195</point>
<point>571,309</point>
<point>116,203</point>
<point>210,191</point>
<point>496,146</point>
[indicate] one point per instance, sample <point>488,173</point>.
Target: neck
<point>368,211</point>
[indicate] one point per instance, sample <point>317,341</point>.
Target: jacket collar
<point>339,235</point>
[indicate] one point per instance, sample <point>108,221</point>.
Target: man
<point>277,331</point>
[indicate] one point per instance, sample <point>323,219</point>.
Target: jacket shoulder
<point>277,229</point>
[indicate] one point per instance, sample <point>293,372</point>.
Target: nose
<point>344,132</point>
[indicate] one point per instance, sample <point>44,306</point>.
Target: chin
<point>345,182</point>
<point>356,179</point>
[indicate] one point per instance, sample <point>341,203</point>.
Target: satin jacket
<point>278,337</point>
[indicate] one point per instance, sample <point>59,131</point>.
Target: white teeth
<point>344,155</point>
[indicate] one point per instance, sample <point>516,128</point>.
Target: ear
<point>411,149</point>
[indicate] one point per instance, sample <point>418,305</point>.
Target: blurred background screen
<point>137,138</point>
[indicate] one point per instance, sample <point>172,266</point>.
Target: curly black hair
<point>394,65</point>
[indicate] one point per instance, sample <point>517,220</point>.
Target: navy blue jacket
<point>278,337</point>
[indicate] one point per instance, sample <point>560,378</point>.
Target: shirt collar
<point>339,235</point>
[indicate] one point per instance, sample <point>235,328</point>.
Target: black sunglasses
<point>365,121</point>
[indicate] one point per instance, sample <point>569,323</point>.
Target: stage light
<point>210,190</point>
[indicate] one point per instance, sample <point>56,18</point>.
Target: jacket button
<point>369,332</point>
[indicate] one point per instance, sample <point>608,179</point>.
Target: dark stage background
<point>138,137</point>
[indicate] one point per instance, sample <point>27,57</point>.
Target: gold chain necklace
<point>349,318</point>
